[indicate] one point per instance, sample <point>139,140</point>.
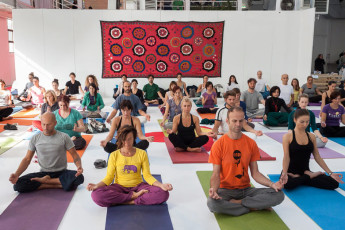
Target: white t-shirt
<point>4,97</point>
<point>232,86</point>
<point>285,93</point>
<point>260,85</point>
<point>221,116</point>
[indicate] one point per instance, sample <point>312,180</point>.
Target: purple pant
<point>115,194</point>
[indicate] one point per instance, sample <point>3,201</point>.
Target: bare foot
<point>177,149</point>
<point>42,180</point>
<point>313,174</point>
<point>236,201</point>
<point>293,175</point>
<point>137,194</point>
<point>7,118</point>
<point>130,202</point>
<point>268,209</point>
<point>198,150</point>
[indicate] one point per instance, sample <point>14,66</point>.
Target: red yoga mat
<point>158,136</point>
<point>185,157</point>
<point>265,157</point>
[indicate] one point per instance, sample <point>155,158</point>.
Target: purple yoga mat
<point>257,120</point>
<point>316,112</point>
<point>314,103</point>
<point>42,209</point>
<point>325,152</point>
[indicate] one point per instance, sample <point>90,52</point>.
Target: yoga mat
<point>316,112</point>
<point>274,127</point>
<point>158,136</point>
<point>325,152</point>
<point>18,121</point>
<point>207,115</point>
<point>41,209</point>
<point>200,106</point>
<point>153,105</point>
<point>256,119</point>
<point>338,140</point>
<point>314,103</point>
<point>80,152</point>
<point>342,186</point>
<point>258,220</point>
<point>185,157</point>
<point>8,143</point>
<point>265,157</point>
<point>129,217</point>
<point>27,113</point>
<point>325,207</point>
<point>17,109</point>
<point>162,128</point>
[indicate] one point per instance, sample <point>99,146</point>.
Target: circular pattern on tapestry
<point>208,65</point>
<point>162,32</point>
<point>139,50</point>
<point>197,58</point>
<point>116,66</point>
<point>115,32</point>
<point>174,58</point>
<point>161,66</point>
<point>139,33</point>
<point>150,59</point>
<point>138,66</point>
<point>185,66</point>
<point>208,50</point>
<point>198,41</point>
<point>186,49</point>
<point>187,32</point>
<point>127,43</point>
<point>163,50</point>
<point>151,41</point>
<point>208,32</point>
<point>175,42</point>
<point>127,60</point>
<point>116,49</point>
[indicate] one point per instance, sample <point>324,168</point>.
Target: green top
<point>66,125</point>
<point>86,102</point>
<point>178,5</point>
<point>151,91</point>
<point>312,124</point>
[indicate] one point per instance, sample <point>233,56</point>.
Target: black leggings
<point>111,147</point>
<point>321,181</point>
<point>5,113</point>
<point>315,99</point>
<point>333,131</point>
<point>207,110</point>
<point>196,142</point>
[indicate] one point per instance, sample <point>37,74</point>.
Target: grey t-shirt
<point>252,100</point>
<point>136,103</point>
<point>51,150</point>
<point>309,91</point>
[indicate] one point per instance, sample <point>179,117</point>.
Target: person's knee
<point>25,185</point>
<point>333,184</point>
<point>212,205</point>
<point>98,196</point>
<point>278,198</point>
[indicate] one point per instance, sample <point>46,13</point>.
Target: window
<point>10,35</point>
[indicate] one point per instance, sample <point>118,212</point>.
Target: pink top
<point>37,95</point>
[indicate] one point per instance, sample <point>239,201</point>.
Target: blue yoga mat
<point>325,207</point>
<point>339,140</point>
<point>17,109</point>
<point>129,217</point>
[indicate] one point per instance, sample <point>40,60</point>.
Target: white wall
<point>53,43</point>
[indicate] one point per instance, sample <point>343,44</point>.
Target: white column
<point>187,5</point>
<point>278,5</point>
<point>142,4</point>
<point>111,4</point>
<point>239,5</point>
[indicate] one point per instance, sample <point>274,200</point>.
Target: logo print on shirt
<point>237,157</point>
<point>130,168</point>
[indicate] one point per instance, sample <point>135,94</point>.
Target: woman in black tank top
<point>125,119</point>
<point>185,125</point>
<point>332,85</point>
<point>298,145</point>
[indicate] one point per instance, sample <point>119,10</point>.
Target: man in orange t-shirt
<point>230,191</point>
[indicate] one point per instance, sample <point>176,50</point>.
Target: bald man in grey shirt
<point>51,146</point>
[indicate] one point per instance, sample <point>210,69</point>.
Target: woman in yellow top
<point>296,90</point>
<point>126,165</point>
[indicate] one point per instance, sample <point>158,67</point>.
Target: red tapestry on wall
<point>163,49</point>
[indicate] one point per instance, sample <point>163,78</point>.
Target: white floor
<point>187,202</point>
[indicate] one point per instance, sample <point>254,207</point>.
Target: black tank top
<point>299,155</point>
<point>119,126</point>
<point>327,99</point>
<point>186,133</point>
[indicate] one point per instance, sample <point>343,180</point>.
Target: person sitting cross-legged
<point>230,191</point>
<point>152,94</point>
<point>209,100</point>
<point>123,183</point>
<point>173,108</point>
<point>185,125</point>
<point>51,146</point>
<point>93,102</point>
<point>252,98</point>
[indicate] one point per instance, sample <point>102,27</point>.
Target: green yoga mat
<point>8,143</point>
<point>252,221</point>
<point>163,130</point>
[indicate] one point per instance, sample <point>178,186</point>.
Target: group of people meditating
<point>231,155</point>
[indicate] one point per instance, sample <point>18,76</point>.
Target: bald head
<point>48,117</point>
<point>48,122</point>
<point>285,79</point>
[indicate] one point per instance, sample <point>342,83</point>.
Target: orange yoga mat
<point>18,121</point>
<point>207,115</point>
<point>80,152</point>
<point>27,113</point>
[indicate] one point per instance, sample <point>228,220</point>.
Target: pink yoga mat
<point>42,209</point>
<point>325,152</point>
<point>185,157</point>
<point>265,157</point>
